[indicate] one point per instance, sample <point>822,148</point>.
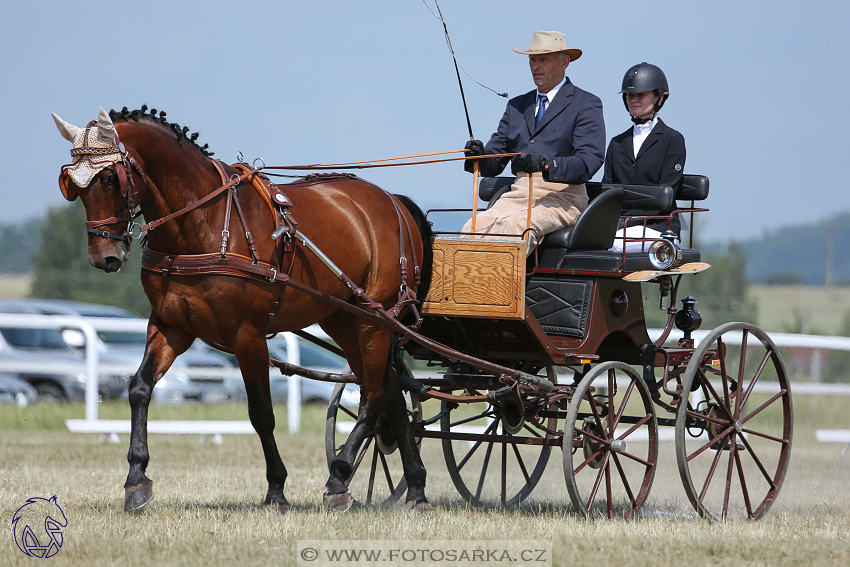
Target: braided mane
<point>142,114</point>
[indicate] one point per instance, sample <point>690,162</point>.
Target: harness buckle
<point>273,276</point>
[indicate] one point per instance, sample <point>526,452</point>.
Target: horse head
<point>101,175</point>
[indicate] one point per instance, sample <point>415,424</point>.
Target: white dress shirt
<point>641,131</point>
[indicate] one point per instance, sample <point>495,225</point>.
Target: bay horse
<point>232,291</point>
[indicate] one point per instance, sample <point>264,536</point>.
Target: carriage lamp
<point>688,319</point>
<point>665,253</point>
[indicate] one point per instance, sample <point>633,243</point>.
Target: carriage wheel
<point>610,442</point>
<point>733,436</point>
<point>384,483</point>
<point>509,476</point>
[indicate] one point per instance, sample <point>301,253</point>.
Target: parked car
<point>40,357</point>
<point>115,349</point>
<point>312,391</point>
<point>15,390</point>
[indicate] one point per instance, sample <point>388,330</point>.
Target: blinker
<point>69,191</point>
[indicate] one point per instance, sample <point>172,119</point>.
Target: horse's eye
<point>111,181</point>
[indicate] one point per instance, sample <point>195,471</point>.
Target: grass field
<point>207,506</point>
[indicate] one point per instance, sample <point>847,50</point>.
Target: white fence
<point>92,368</point>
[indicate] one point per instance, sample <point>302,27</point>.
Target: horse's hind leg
<point>414,469</point>
<point>163,346</point>
<point>252,353</point>
<point>365,346</point>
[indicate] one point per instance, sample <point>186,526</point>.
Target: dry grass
<point>822,310</point>
<point>15,286</point>
<point>207,507</point>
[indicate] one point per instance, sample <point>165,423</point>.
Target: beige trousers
<point>554,206</point>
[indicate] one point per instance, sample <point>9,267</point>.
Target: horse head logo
<point>37,527</point>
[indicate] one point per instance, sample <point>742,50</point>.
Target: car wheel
<point>52,393</point>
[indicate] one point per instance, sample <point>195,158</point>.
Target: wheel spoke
<point>608,492</point>
<point>710,475</point>
<point>503,488</point>
<point>375,454</point>
<point>637,459</point>
<point>732,449</point>
<point>743,485</point>
<point>625,480</point>
<point>483,472</point>
<point>757,461</point>
<point>772,399</point>
<point>357,461</point>
<point>348,412</point>
<point>521,463</point>
<point>477,444</point>
<point>387,472</point>
<point>631,429</point>
<point>746,395</point>
<point>483,414</point>
<point>530,430</point>
<point>598,483</point>
<point>722,434</point>
<point>722,402</point>
<point>620,413</point>
<point>765,436</point>
<point>592,436</point>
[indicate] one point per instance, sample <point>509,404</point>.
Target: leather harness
<point>225,263</point>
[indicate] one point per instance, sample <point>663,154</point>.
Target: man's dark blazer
<point>571,134</point>
<point>660,161</point>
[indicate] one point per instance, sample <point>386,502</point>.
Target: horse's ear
<point>69,190</point>
<point>105,127</point>
<point>68,131</point>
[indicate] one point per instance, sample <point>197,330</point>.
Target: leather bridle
<point>124,169</point>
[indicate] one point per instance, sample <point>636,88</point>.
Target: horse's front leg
<point>252,353</point>
<point>164,344</point>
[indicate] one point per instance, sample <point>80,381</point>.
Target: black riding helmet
<point>643,78</point>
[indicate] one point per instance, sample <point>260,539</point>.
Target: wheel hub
<point>384,436</point>
<point>512,419</point>
<point>591,446</point>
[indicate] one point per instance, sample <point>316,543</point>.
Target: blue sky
<point>758,88</point>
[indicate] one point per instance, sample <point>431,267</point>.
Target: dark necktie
<point>542,103</point>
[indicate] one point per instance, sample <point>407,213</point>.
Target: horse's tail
<point>426,234</point>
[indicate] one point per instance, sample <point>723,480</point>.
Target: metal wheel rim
<point>532,478</point>
<point>737,444</point>
<point>575,461</point>
<point>375,460</point>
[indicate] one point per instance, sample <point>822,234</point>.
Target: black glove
<point>530,162</point>
<point>475,147</point>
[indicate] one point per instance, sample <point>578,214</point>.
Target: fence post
<point>293,397</point>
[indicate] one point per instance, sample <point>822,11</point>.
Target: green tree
<point>62,269</point>
<point>722,291</point>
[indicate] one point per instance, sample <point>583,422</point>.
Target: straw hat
<point>549,42</point>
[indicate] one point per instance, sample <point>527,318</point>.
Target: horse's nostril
<point>111,264</point>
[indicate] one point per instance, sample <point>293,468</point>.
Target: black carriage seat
<point>585,246</point>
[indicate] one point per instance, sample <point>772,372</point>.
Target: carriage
<point>532,354</point>
<point>573,313</point>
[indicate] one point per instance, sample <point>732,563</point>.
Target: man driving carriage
<point>560,133</point>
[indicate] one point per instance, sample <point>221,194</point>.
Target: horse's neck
<point>176,177</point>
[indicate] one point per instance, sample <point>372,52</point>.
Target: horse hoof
<point>338,502</point>
<point>137,497</point>
<point>279,507</point>
<point>421,507</point>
